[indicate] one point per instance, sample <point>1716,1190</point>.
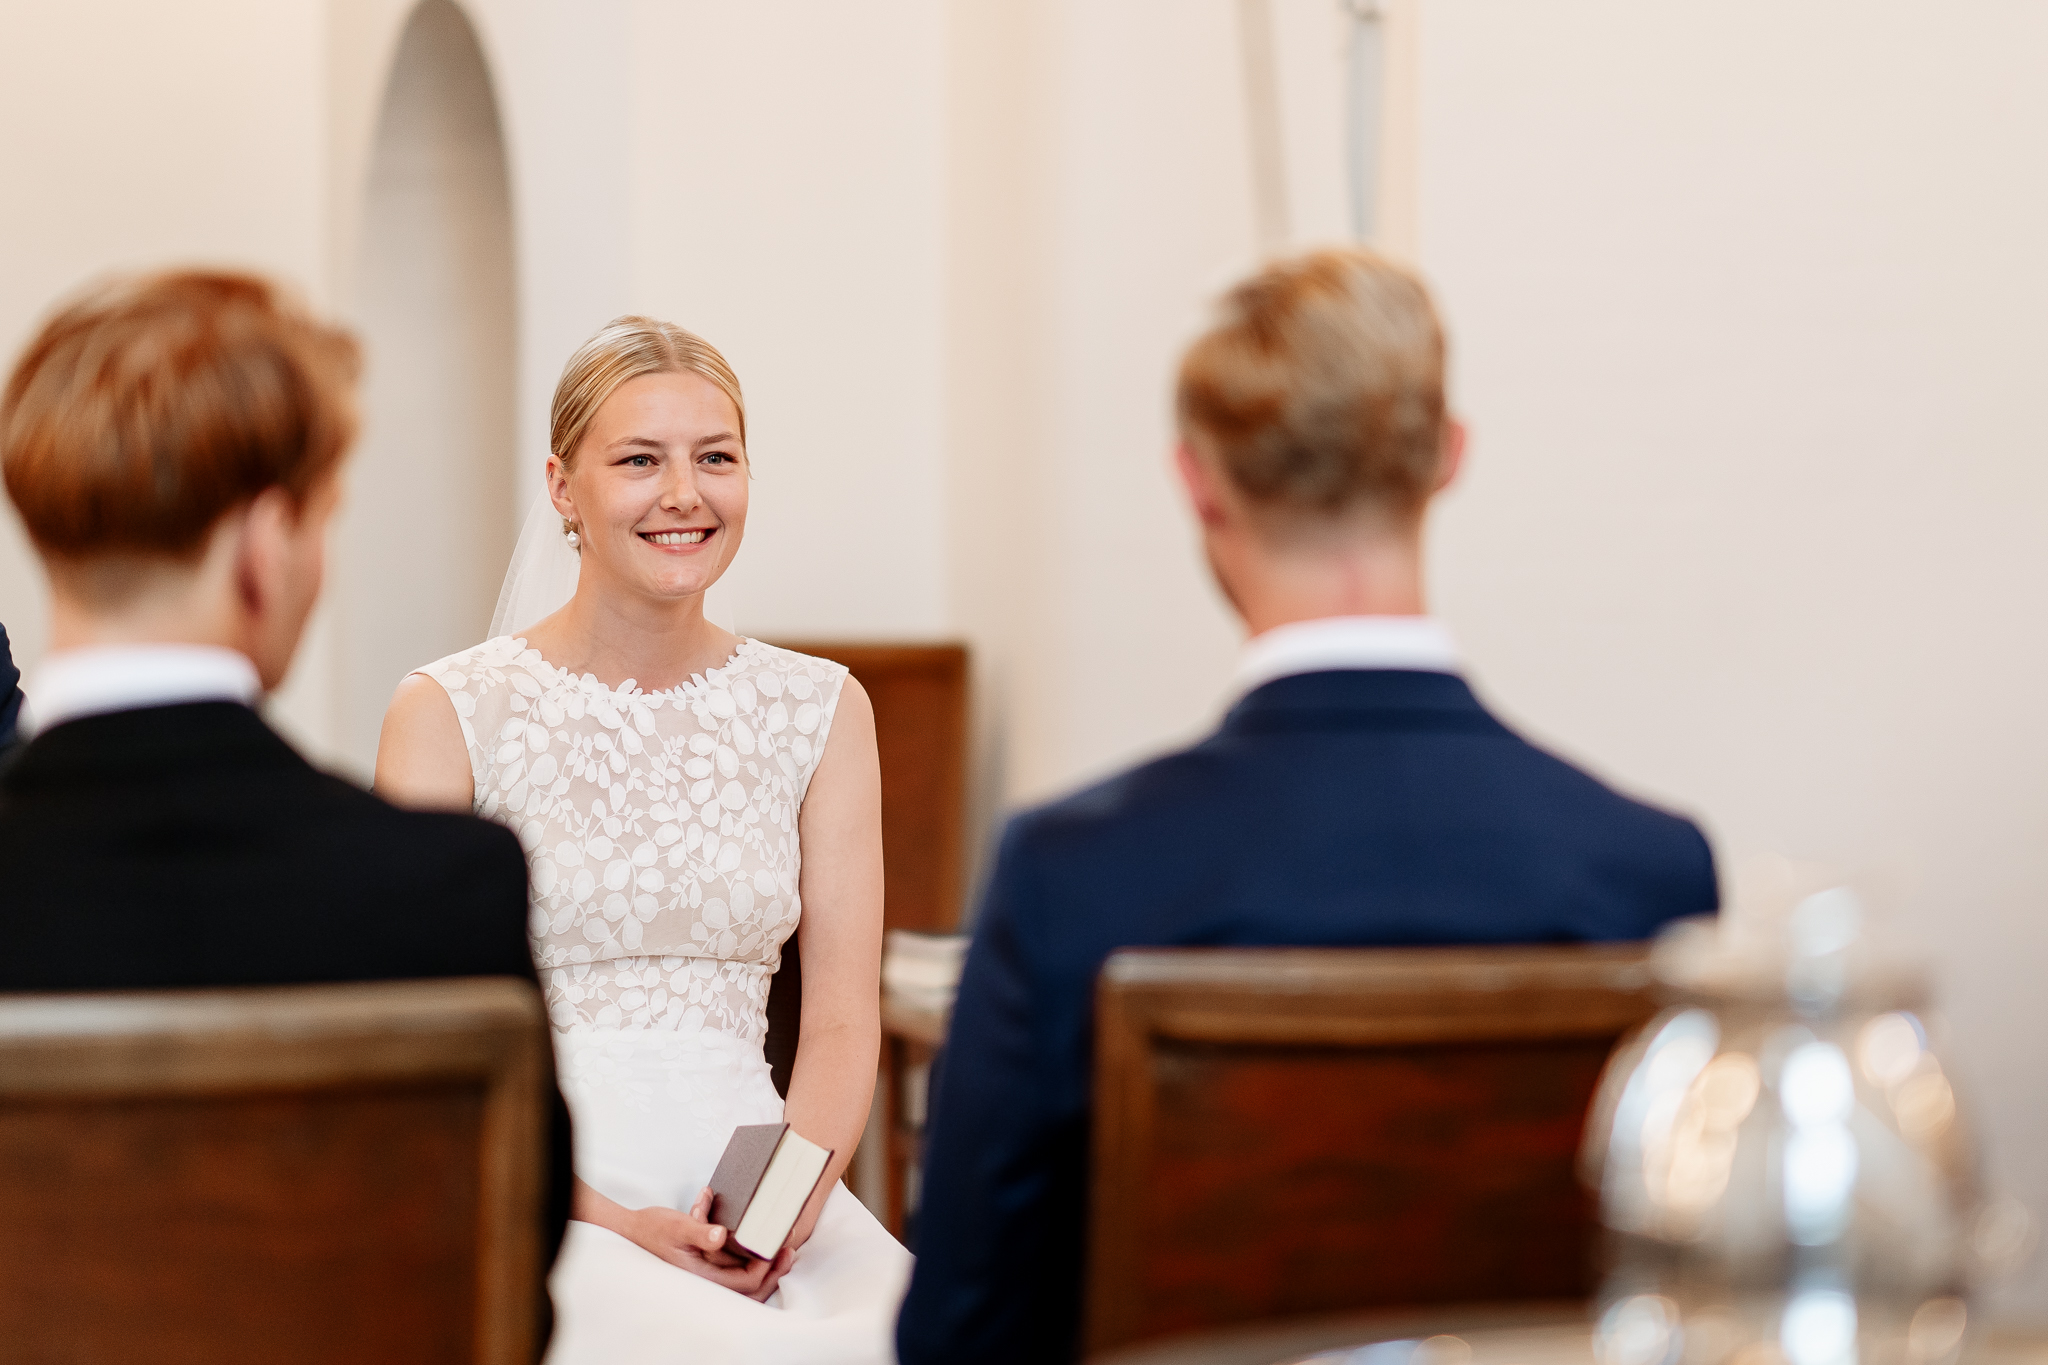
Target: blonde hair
<point>1321,387</point>
<point>626,348</point>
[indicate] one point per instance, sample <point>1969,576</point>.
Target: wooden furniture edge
<point>251,1039</point>
<point>1123,1112</point>
<point>1268,968</point>
<point>1200,995</point>
<point>187,1040</point>
<point>514,1130</point>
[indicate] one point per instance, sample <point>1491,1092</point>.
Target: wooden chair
<point>311,1173</point>
<point>1282,1132</point>
<point>919,694</point>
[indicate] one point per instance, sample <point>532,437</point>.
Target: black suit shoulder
<point>190,845</point>
<point>457,870</point>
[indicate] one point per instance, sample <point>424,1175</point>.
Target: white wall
<point>565,122</point>
<point>431,514</point>
<point>139,135</point>
<point>1746,303</point>
<point>787,191</point>
<point>1098,197</point>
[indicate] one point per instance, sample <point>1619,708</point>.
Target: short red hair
<point>149,408</point>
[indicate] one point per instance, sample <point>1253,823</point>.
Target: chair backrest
<point>919,694</point>
<point>1293,1131</point>
<point>308,1173</point>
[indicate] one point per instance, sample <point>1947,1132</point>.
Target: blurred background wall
<point>1746,307</point>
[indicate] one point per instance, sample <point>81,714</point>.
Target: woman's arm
<point>421,759</point>
<point>840,934</point>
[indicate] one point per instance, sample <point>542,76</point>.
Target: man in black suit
<point>173,446</point>
<point>1356,793</point>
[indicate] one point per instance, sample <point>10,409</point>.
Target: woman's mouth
<point>695,537</point>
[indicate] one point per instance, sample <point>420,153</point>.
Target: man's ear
<point>263,552</point>
<point>1200,482</point>
<point>1454,454</point>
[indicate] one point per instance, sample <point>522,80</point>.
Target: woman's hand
<point>691,1241</point>
<point>688,1241</point>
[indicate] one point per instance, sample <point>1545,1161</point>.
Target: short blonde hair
<point>151,407</point>
<point>627,348</point>
<point>1321,387</point>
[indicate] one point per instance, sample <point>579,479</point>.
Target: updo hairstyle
<point>1320,389</point>
<point>626,348</point>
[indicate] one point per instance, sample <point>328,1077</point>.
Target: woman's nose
<point>679,489</point>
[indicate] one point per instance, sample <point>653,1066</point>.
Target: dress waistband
<point>667,993</point>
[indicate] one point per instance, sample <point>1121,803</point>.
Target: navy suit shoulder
<point>1379,807</point>
<point>1342,808</point>
<point>10,692</point>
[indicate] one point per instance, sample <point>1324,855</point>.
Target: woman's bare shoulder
<point>422,756</point>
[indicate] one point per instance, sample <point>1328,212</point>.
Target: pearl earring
<point>575,541</point>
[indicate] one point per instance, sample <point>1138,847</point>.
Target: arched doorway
<point>430,519</point>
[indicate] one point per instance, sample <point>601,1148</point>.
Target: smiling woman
<point>649,425</point>
<point>687,800</point>
<point>657,501</point>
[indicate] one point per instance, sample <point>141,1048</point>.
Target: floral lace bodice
<point>660,827</point>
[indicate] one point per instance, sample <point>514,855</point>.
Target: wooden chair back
<point>310,1173</point>
<point>919,694</point>
<point>1280,1132</point>
<point>920,699</point>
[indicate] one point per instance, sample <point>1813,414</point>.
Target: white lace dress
<point>661,830</point>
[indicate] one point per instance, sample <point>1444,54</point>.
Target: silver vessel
<point>1782,1166</point>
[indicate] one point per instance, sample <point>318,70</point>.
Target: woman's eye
<point>719,455</point>
<point>640,461</point>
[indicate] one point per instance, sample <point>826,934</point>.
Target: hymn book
<point>762,1183</point>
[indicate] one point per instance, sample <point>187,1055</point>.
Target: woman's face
<point>658,488</point>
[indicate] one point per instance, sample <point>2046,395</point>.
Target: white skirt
<point>653,1111</point>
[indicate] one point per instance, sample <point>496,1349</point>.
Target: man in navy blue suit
<point>1356,792</point>
<point>10,693</point>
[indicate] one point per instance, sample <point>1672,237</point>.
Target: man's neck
<point>1361,578</point>
<point>154,600</point>
<point>75,627</point>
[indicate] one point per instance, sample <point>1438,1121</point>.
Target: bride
<point>687,798</point>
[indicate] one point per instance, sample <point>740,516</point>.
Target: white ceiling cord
<point>1262,127</point>
<point>1366,88</point>
<point>1265,139</point>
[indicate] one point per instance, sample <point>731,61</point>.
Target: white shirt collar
<point>1417,643</point>
<point>103,678</point>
